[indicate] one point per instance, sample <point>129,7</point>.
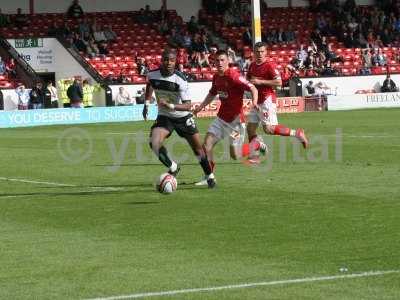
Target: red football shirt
<point>230,88</point>
<point>266,71</point>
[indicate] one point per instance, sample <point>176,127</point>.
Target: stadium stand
<point>327,35</point>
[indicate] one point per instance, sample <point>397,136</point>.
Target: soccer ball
<point>166,183</point>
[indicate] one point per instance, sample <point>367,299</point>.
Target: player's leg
<point>199,151</point>
<point>269,121</point>
<point>255,143</point>
<point>159,132</point>
<point>187,129</point>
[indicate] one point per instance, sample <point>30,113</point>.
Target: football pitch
<point>80,218</point>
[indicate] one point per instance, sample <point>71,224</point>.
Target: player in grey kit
<point>171,90</point>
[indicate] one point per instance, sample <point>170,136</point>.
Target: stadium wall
<point>61,6</point>
<point>52,57</point>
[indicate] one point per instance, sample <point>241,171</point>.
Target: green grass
<point>282,220</point>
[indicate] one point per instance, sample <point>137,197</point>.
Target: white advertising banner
<point>350,85</point>
<point>360,101</point>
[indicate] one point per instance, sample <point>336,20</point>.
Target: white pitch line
<point>247,285</point>
<point>97,188</point>
<point>36,182</point>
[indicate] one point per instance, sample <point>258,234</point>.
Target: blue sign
<point>61,116</point>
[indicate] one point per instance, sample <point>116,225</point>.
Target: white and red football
<point>166,184</point>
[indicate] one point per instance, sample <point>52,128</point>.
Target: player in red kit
<point>266,78</point>
<point>229,86</point>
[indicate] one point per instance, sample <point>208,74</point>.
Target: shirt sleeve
<point>213,90</point>
<point>240,81</point>
<point>273,72</point>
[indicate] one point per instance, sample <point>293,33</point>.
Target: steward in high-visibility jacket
<point>88,91</point>
<point>63,86</point>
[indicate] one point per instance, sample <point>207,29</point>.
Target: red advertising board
<point>284,105</point>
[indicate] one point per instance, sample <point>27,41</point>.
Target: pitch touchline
<point>246,285</point>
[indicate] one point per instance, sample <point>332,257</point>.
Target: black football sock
<point>163,157</point>
<point>205,165</point>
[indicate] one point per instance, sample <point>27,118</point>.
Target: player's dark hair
<point>260,44</point>
<point>221,52</point>
<point>168,52</point>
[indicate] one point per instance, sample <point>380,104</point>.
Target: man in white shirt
<point>123,98</point>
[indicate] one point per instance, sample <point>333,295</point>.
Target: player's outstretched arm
<point>209,98</point>
<point>148,95</point>
<point>185,106</point>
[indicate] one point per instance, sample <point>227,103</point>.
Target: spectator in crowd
<point>366,57</point>
<point>20,19</point>
<point>378,57</point>
<point>98,33</point>
<point>75,94</point>
<point>75,10</point>
<point>141,95</point>
<point>309,88</point>
<point>91,48</point>
<point>78,43</point>
<point>365,70</point>
<point>103,50</point>
<point>53,95</point>
<point>23,97</point>
<point>123,98</point>
<point>188,76</point>
<point>329,70</point>
<point>4,19</point>
<point>202,60</point>
<point>3,68</point>
<point>247,37</point>
<point>142,66</point>
<point>388,85</point>
<point>290,36</point>
<point>192,25</point>
<point>84,28</point>
<point>109,34</point>
<point>11,68</point>
<point>36,96</point>
<point>1,100</point>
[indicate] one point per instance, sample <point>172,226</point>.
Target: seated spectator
<point>329,70</point>
<point>378,57</point>
<point>123,98</point>
<point>280,36</point>
<point>202,60</point>
<point>84,28</point>
<point>366,57</point>
<point>78,43</point>
<point>20,20</point>
<point>109,34</point>
<point>188,76</point>
<point>387,38</point>
<point>142,66</point>
<point>192,25</point>
<point>247,37</point>
<point>331,55</point>
<point>3,68</point>
<point>75,10</point>
<point>289,34</point>
<point>23,97</point>
<point>360,40</point>
<point>365,70</point>
<point>98,34</point>
<point>309,88</point>
<point>388,85</point>
<point>4,19</point>
<point>11,68</point>
<point>36,97</point>
<point>103,49</point>
<point>212,55</point>
<point>186,40</point>
<point>91,48</point>
<point>271,37</point>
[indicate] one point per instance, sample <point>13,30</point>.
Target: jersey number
<point>190,123</point>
